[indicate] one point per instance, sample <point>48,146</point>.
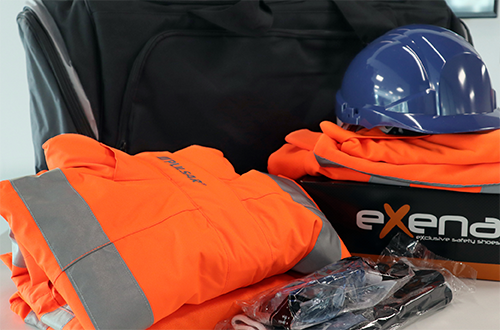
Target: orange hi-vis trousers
<point>106,240</point>
<point>463,162</point>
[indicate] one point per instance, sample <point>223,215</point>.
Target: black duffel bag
<point>234,75</point>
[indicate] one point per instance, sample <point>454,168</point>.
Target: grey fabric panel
<point>50,25</point>
<point>327,248</point>
<point>58,103</point>
<point>45,95</point>
<point>106,287</point>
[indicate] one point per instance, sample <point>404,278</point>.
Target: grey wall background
<point>16,149</point>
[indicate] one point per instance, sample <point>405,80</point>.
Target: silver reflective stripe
<point>491,189</point>
<point>17,256</point>
<point>403,182</point>
<point>32,320</point>
<point>106,287</point>
<point>382,180</point>
<point>327,248</point>
<point>58,318</point>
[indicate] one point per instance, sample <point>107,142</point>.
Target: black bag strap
<point>367,22</point>
<point>255,18</point>
<point>246,17</point>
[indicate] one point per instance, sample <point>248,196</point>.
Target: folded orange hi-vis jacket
<point>106,240</point>
<point>464,162</point>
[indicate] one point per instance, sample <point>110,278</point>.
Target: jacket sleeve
<point>296,158</point>
<point>78,151</point>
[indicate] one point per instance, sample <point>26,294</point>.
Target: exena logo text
<point>418,222</point>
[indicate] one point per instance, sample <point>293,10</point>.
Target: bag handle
<point>255,18</point>
<point>246,17</point>
<point>367,22</point>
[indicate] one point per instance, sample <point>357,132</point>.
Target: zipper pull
<point>123,146</point>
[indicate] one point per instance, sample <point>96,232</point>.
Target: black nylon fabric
<point>234,75</point>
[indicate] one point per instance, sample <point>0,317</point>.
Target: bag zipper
<point>70,97</point>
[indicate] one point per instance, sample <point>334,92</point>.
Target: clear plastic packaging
<point>357,293</point>
<point>460,277</point>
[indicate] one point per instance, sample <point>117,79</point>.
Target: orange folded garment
<point>464,162</point>
<point>106,240</point>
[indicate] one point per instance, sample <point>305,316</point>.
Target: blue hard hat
<point>421,78</point>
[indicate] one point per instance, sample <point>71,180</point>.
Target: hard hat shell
<point>421,78</point>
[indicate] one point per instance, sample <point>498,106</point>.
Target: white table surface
<point>479,310</point>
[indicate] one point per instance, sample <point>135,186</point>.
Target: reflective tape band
<point>107,289</point>
<point>382,180</point>
<point>489,188</point>
<point>59,318</point>
<point>32,320</point>
<point>327,248</point>
<point>17,256</point>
